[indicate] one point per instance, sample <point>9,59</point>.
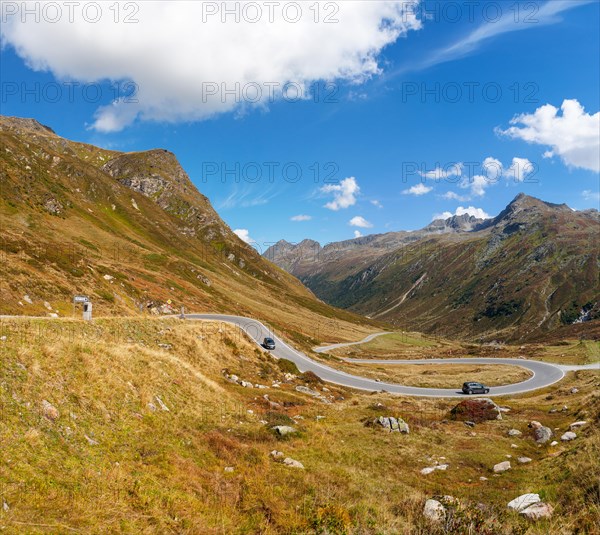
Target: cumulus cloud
<point>376,203</point>
<point>493,171</point>
<point>571,133</point>
<point>452,170</point>
<point>361,222</point>
<point>520,169</point>
<point>357,234</point>
<point>344,194</point>
<point>182,55</point>
<point>479,213</point>
<point>418,190</point>
<point>244,235</point>
<point>301,218</point>
<point>451,195</point>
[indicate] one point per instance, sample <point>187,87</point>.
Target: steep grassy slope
<point>132,232</point>
<point>530,271</point>
<point>145,424</point>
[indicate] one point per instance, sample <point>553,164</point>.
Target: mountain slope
<point>530,270</point>
<point>131,231</point>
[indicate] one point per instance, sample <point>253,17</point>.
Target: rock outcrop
<point>476,410</point>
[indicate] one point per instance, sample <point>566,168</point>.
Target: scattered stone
<point>108,277</point>
<point>564,408</point>
<point>476,410</point>
<point>229,469</point>
<point>431,469</point>
<point>151,406</point>
<point>502,467</point>
<point>168,347</point>
<point>523,502</point>
<point>292,463</point>
<point>541,434</point>
<point>91,441</point>
<point>27,299</point>
<point>538,510</point>
<point>514,433</point>
<point>49,410</point>
<point>392,425</point>
<point>569,435</point>
<point>276,454</point>
<point>514,446</point>
<point>524,460</point>
<point>161,404</point>
<point>313,393</point>
<point>470,424</point>
<point>434,511</point>
<point>574,390</point>
<point>577,425</point>
<point>284,430</point>
<point>504,409</point>
<point>246,384</point>
<point>482,478</point>
<point>553,443</point>
<point>5,506</point>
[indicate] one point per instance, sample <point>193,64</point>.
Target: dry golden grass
<point>403,345</point>
<point>157,471</point>
<point>441,375</point>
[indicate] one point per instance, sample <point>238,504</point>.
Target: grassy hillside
<point>131,231</point>
<point>145,434</point>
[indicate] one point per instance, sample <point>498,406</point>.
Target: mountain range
<point>531,270</point>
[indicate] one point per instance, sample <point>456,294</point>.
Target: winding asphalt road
<point>544,373</point>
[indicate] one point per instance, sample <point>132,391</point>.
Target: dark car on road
<point>269,343</point>
<point>474,388</point>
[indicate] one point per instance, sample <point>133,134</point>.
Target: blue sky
<point>412,117</point>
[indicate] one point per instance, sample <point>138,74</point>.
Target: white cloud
<point>357,234</point>
<point>449,171</point>
<point>450,195</point>
<point>418,190</point>
<point>590,195</point>
<point>179,54</point>
<point>344,193</point>
<point>377,204</point>
<point>361,222</point>
<point>301,218</point>
<point>520,169</point>
<point>493,171</point>
<point>571,133</point>
<point>479,213</point>
<point>244,235</point>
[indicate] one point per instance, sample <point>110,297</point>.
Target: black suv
<point>269,343</point>
<point>475,388</point>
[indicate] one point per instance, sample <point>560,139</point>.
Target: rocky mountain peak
<point>456,223</point>
<point>22,125</point>
<point>149,171</point>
